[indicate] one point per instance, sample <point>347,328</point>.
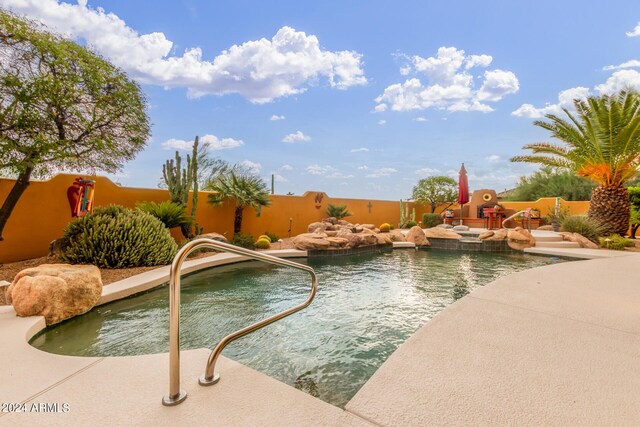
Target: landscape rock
<point>315,227</point>
<point>354,240</point>
<point>384,239</point>
<point>416,235</point>
<point>441,233</point>
<point>520,239</point>
<point>545,228</point>
<point>55,291</point>
<point>579,239</point>
<point>4,286</point>
<point>333,220</point>
<point>446,226</point>
<point>215,236</point>
<point>368,226</point>
<point>308,241</point>
<point>368,239</point>
<point>337,242</point>
<point>486,234</point>
<point>397,236</point>
<point>331,233</point>
<point>498,235</point>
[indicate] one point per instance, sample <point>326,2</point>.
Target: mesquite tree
<point>62,107</point>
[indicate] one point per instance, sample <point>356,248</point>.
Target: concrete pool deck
<point>553,345</point>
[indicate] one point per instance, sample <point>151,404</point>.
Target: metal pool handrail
<point>518,213</point>
<point>176,394</point>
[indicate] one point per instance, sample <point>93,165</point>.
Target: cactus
<point>180,181</point>
<point>263,244</point>
<point>384,228</point>
<point>116,237</point>
<point>405,218</point>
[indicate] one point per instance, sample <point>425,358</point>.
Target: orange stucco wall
<point>43,212</point>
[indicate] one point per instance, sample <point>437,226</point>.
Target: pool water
<point>366,306</point>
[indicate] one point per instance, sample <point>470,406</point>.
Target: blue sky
<point>355,98</point>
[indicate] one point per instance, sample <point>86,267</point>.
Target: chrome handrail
<point>176,394</point>
<point>528,217</point>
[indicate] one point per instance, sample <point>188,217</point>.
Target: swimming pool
<point>366,306</point>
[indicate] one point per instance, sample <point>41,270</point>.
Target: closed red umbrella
<point>463,189</point>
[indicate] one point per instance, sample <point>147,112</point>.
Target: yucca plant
<point>171,214</point>
<point>583,225</point>
<point>601,142</point>
<point>338,211</point>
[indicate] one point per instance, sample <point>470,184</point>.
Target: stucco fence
<point>43,212</point>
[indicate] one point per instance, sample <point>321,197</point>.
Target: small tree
<point>62,107</point>
<point>553,182</point>
<point>338,211</point>
<point>244,190</point>
<point>436,191</point>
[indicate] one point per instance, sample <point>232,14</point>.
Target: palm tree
<point>245,190</point>
<point>602,143</point>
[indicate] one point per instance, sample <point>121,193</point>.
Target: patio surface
<point>556,345</point>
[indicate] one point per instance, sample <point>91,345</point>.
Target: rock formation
<point>417,236</point>
<point>55,291</point>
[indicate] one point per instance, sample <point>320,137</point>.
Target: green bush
<point>244,241</point>
<point>338,211</point>
<point>431,220</point>
<point>171,214</point>
<point>116,237</point>
<point>616,242</point>
<point>410,224</point>
<point>581,224</point>
<point>263,244</point>
<point>272,236</point>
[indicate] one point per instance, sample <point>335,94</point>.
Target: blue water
<point>366,306</point>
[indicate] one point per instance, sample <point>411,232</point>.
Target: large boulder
<point>316,227</point>
<point>397,236</point>
<point>337,242</point>
<point>354,240</point>
<point>579,239</point>
<point>520,239</point>
<point>486,234</point>
<point>55,291</point>
<point>416,235</point>
<point>500,234</point>
<point>368,226</point>
<point>368,239</point>
<point>441,233</point>
<point>308,241</point>
<point>384,239</point>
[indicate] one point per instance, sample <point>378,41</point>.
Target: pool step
<point>556,244</point>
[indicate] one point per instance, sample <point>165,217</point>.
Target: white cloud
<point>426,171</point>
<point>296,137</point>
<point>279,178</point>
<point>565,100</point>
<point>635,32</point>
<point>493,158</point>
<point>420,119</point>
<point>382,122</point>
<point>286,168</point>
<point>363,168</point>
<point>359,150</point>
<point>251,167</point>
<point>450,85</point>
<point>212,142</point>
<point>339,175</point>
<point>378,173</point>
<point>276,117</point>
<point>316,169</point>
<point>634,63</point>
<point>259,70</point>
<point>619,80</point>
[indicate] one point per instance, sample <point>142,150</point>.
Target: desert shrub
<point>384,228</point>
<point>263,244</point>
<point>616,242</point>
<point>431,220</point>
<point>338,211</point>
<point>391,227</point>
<point>171,214</point>
<point>410,224</point>
<point>116,237</point>
<point>581,224</point>
<point>244,241</point>
<point>272,236</point>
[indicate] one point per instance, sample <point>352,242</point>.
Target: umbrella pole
<point>461,210</point>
